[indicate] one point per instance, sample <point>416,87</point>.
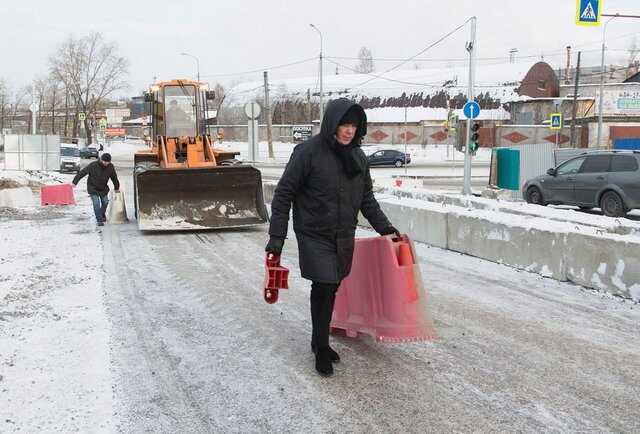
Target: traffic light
<point>475,138</point>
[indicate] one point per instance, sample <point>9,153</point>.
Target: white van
<point>69,158</point>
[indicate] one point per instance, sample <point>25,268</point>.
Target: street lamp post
<point>197,63</point>
<point>321,89</point>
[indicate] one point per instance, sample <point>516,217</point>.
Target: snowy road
<point>192,346</point>
<point>195,348</point>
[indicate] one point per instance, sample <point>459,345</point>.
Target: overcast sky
<point>232,36</point>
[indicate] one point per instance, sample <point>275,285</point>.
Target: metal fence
<point>564,154</point>
<point>30,152</point>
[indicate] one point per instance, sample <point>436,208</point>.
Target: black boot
<point>323,362</point>
<point>335,357</point>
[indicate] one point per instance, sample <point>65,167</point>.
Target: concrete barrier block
<point>426,224</point>
<point>606,263</point>
<point>16,197</point>
<point>586,255</point>
<point>526,248</point>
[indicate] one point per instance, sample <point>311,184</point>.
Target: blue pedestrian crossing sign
<point>555,123</point>
<point>588,12</point>
<point>471,110</point>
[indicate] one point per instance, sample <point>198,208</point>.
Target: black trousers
<point>323,297</point>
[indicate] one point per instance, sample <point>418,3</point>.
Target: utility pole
<point>309,120</point>
<point>471,48</point>
<point>33,107</point>
<point>66,111</point>
<point>321,88</point>
<point>406,134</point>
<point>575,102</point>
<point>567,75</point>
<point>53,108</point>
<point>267,112</point>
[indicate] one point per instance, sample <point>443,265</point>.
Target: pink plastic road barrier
<point>275,279</point>
<point>59,194</point>
<point>384,296</point>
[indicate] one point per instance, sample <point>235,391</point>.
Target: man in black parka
<point>328,182</point>
<point>100,172</point>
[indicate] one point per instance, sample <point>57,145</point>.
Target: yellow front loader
<point>182,182</point>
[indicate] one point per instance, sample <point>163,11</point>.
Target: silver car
<point>609,180</point>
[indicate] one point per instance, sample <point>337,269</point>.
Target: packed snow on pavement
<point>54,355</point>
<point>116,331</point>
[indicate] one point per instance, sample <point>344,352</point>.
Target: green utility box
<point>508,168</point>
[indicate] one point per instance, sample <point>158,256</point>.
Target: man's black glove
<point>390,230</point>
<point>274,245</point>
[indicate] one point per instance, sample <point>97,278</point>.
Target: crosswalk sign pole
<point>466,190</point>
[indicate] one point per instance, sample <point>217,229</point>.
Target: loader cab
<point>178,108</point>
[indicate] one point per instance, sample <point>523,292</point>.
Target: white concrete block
<point>529,249</point>
<point>17,197</point>
<point>610,263</point>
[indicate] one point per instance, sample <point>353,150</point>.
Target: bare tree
<point>219,99</point>
<point>39,86</point>
<point>54,102</point>
<point>16,104</point>
<point>91,70</point>
<point>365,61</point>
<point>4,101</point>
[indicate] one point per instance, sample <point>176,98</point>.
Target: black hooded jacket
<point>99,175</point>
<point>325,200</point>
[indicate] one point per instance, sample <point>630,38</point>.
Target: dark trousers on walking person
<point>100,207</point>
<point>323,298</point>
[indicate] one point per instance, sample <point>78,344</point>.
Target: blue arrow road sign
<point>471,110</point>
<point>588,12</point>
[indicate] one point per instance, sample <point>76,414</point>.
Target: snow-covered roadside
<point>54,332</point>
<point>419,154</point>
<point>436,154</point>
<point>520,210</point>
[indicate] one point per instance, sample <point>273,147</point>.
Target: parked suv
<point>609,180</point>
<point>389,157</point>
<point>69,158</point>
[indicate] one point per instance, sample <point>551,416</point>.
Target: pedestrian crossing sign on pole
<point>555,123</point>
<point>588,12</point>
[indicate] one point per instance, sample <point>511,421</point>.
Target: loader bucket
<point>198,198</point>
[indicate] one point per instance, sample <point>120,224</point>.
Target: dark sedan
<point>609,180</point>
<point>389,157</point>
<point>89,152</point>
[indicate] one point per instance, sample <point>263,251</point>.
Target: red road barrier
<point>383,296</point>
<point>59,194</point>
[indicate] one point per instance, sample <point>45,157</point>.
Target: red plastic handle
<point>276,278</point>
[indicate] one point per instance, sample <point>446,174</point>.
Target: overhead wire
<point>266,68</point>
<point>428,47</point>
